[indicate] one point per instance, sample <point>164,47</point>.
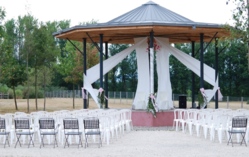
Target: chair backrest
<point>71,123</point>
<point>91,123</point>
<point>239,122</point>
<point>2,123</point>
<point>22,123</point>
<point>46,123</point>
<point>178,113</point>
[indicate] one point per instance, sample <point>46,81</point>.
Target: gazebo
<point>149,20</point>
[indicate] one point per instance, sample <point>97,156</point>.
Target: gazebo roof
<point>150,12</point>
<point>139,22</point>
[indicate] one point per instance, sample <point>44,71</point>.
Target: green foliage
<point>150,107</point>
<point>189,95</point>
<point>3,88</point>
<point>2,16</point>
<point>241,21</point>
<point>32,93</point>
<point>19,94</point>
<point>200,99</point>
<point>101,99</point>
<point>13,75</point>
<point>180,75</point>
<point>123,76</point>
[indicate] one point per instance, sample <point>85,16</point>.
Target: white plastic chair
<point>192,117</point>
<point>178,113</point>
<point>127,119</point>
<point>220,126</point>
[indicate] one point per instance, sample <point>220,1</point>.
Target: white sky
<point>209,11</point>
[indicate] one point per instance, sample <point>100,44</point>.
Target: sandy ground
<point>53,104</point>
<point>144,143</point>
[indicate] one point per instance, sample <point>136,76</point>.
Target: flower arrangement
<point>202,98</point>
<point>152,105</point>
<point>157,47</point>
<point>101,97</point>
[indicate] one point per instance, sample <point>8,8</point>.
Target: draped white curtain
<point>143,85</point>
<point>191,63</point>
<point>93,73</point>
<point>164,93</point>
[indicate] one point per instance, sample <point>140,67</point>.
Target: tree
<point>67,67</point>
<point>233,72</point>
<point>241,21</point>
<point>12,69</point>
<point>71,64</point>
<point>26,26</point>
<point>45,52</point>
<point>2,15</point>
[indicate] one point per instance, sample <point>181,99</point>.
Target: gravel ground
<point>142,141</point>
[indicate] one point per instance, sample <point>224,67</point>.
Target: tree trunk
<point>14,92</point>
<point>44,77</point>
<point>36,106</point>
<point>28,83</point>
<point>73,97</point>
<point>248,31</point>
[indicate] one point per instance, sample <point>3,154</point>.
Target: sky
<point>208,11</point>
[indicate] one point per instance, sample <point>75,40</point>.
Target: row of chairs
<point>47,127</point>
<point>210,122</point>
<point>113,122</point>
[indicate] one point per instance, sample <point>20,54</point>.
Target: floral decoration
<point>101,97</point>
<point>202,97</point>
<point>157,47</point>
<point>152,107</point>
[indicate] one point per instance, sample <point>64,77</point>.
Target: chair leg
<point>230,139</point>
<point>6,140</point>
<point>100,140</point>
<point>243,139</point>
<point>42,143</point>
<point>80,142</point>
<point>86,142</point>
<point>31,141</point>
<point>66,141</point>
<point>55,141</point>
<point>18,140</point>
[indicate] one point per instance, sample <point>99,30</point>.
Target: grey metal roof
<point>139,22</point>
<point>150,12</point>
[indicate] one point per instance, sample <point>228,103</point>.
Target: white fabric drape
<point>92,73</point>
<point>164,93</point>
<point>190,62</point>
<point>193,64</point>
<point>143,85</point>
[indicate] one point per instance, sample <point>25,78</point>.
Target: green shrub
<point>11,95</point>
<point>32,93</point>
<point>4,88</point>
<point>19,94</point>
